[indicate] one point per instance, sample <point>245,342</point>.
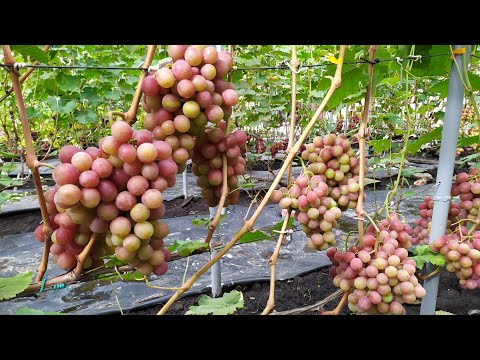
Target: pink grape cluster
<point>421,231</point>
<point>467,187</point>
<point>327,187</point>
<point>392,230</point>
<point>180,100</point>
<point>334,160</point>
<point>316,212</point>
<point>114,191</point>
<point>377,283</point>
<point>462,255</point>
<point>207,163</point>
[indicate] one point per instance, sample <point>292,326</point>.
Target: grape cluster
<point>377,282</point>
<point>467,187</point>
<point>468,115</point>
<point>462,255</point>
<point>316,212</point>
<point>114,191</point>
<point>207,163</point>
<point>393,231</point>
<point>334,160</point>
<point>352,124</point>
<point>327,187</point>
<point>277,146</point>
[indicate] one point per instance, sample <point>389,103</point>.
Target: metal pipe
<point>446,164</point>
<point>216,244</point>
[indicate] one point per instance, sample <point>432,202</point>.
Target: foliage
<point>28,311</point>
<point>186,248</point>
<point>423,255</point>
<point>225,305</point>
<point>10,287</point>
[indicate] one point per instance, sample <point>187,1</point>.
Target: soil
<point>315,286</point>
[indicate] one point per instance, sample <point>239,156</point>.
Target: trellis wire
<point>281,66</point>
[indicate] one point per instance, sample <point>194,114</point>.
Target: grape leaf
<point>201,222</point>
<point>28,311</point>
<point>10,287</point>
<point>467,141</point>
<point>129,276</point>
<point>423,254</point>
<point>278,225</point>
<point>409,172</point>
<point>225,305</point>
<point>379,146</point>
<point>252,236</point>
<point>32,51</point>
<point>6,154</point>
<point>414,146</point>
<point>87,116</point>
<point>113,261</point>
<point>186,248</point>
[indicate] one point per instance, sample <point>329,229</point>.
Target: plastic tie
<point>59,286</point>
<point>458,51</point>
<point>42,287</point>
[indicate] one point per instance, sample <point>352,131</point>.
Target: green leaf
<point>414,146</point>
<point>201,222</point>
<point>467,141</point>
<point>10,287</point>
<point>278,226</point>
<point>408,172</point>
<point>33,51</point>
<point>87,116</point>
<point>8,155</point>
<point>113,261</point>
<point>354,81</point>
<point>393,119</point>
<point>186,248</point>
<point>379,146</point>
<point>225,305</point>
<point>28,311</point>
<point>7,181</point>
<point>252,236</point>
<point>68,83</point>
<point>91,95</point>
<point>474,81</point>
<point>440,87</point>
<point>469,158</point>
<point>423,254</point>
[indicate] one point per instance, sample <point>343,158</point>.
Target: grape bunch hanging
<point>115,190</point>
<point>328,186</point>
<point>380,277</point>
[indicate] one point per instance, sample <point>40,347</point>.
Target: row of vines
<point>221,110</point>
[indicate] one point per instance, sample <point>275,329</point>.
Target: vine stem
<point>295,63</point>
<point>83,255</point>
<point>221,203</point>
<point>469,89</point>
<point>273,266</point>
<point>70,276</point>
<point>361,142</point>
<point>131,115</point>
<point>273,259</point>
<point>391,194</point>
<point>248,225</point>
<point>24,76</point>
<point>31,162</point>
